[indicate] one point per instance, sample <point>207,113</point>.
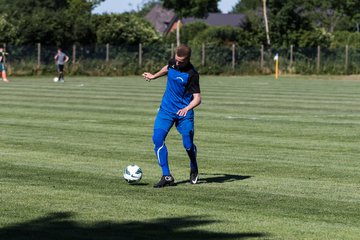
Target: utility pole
<point>266,22</point>
<point>178,32</point>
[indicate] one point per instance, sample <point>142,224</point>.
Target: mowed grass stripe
<point>278,159</point>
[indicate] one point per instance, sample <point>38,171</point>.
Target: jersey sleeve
<point>194,85</point>
<point>171,63</point>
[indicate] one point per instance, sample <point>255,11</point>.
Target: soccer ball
<point>56,79</point>
<point>132,174</point>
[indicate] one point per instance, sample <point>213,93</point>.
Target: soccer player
<point>181,96</point>
<point>60,59</point>
<point>2,64</point>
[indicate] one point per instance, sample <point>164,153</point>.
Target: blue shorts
<point>2,67</point>
<point>165,120</point>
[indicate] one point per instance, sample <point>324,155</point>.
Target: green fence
<point>109,60</point>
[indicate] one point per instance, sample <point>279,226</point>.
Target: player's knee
<point>159,137</point>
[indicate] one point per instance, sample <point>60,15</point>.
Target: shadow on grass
<point>217,178</point>
<point>60,226</point>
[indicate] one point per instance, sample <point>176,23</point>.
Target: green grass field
<point>279,159</point>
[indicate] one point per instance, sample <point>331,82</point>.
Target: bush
<point>343,38</point>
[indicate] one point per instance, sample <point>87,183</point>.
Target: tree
<point>79,25</point>
<point>288,19</point>
<point>188,32</point>
<point>245,6</point>
<point>331,13</point>
<point>8,31</point>
<point>124,28</point>
<point>224,36</point>
<point>291,22</point>
<point>192,8</point>
<point>314,38</point>
<point>49,21</point>
<point>95,2</point>
<point>327,14</point>
<point>255,20</point>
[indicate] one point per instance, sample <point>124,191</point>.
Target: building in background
<point>165,21</point>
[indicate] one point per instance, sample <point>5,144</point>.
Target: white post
<point>346,57</point>
<point>140,54</point>
<point>318,59</point>
<point>4,54</point>
<point>178,32</point>
<point>107,52</point>
<point>203,55</point>
<point>266,22</point>
<point>233,57</point>
<point>39,54</point>
<point>74,54</point>
<point>262,57</point>
<point>291,55</point>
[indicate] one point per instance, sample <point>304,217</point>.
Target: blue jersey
<point>182,83</point>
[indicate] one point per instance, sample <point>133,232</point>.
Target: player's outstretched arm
<point>148,76</point>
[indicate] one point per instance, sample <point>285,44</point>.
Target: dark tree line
<point>304,23</point>
<point>291,22</point>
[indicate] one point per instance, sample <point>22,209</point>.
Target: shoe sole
<point>165,185</point>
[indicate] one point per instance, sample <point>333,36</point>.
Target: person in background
<point>60,59</point>
<point>3,54</point>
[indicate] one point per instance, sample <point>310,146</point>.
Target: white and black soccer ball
<point>132,174</point>
<point>56,79</point>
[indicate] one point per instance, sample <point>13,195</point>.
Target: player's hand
<point>182,112</point>
<point>148,76</point>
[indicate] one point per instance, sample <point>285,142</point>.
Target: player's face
<point>181,61</point>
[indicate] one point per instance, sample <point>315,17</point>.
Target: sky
<point>120,6</point>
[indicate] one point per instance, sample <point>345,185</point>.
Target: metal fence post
<point>262,57</point>
<point>74,54</point>
<point>233,57</point>
<point>38,54</point>
<point>203,54</point>
<point>107,52</point>
<point>140,54</point>
<point>291,55</point>
<point>4,54</point>
<point>172,50</point>
<point>346,58</point>
<point>318,59</point>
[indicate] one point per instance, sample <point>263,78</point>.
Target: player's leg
<point>3,73</point>
<point>186,128</point>
<point>161,151</point>
<point>163,124</point>
<point>61,72</point>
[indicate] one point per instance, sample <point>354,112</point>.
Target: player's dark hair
<point>183,51</point>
